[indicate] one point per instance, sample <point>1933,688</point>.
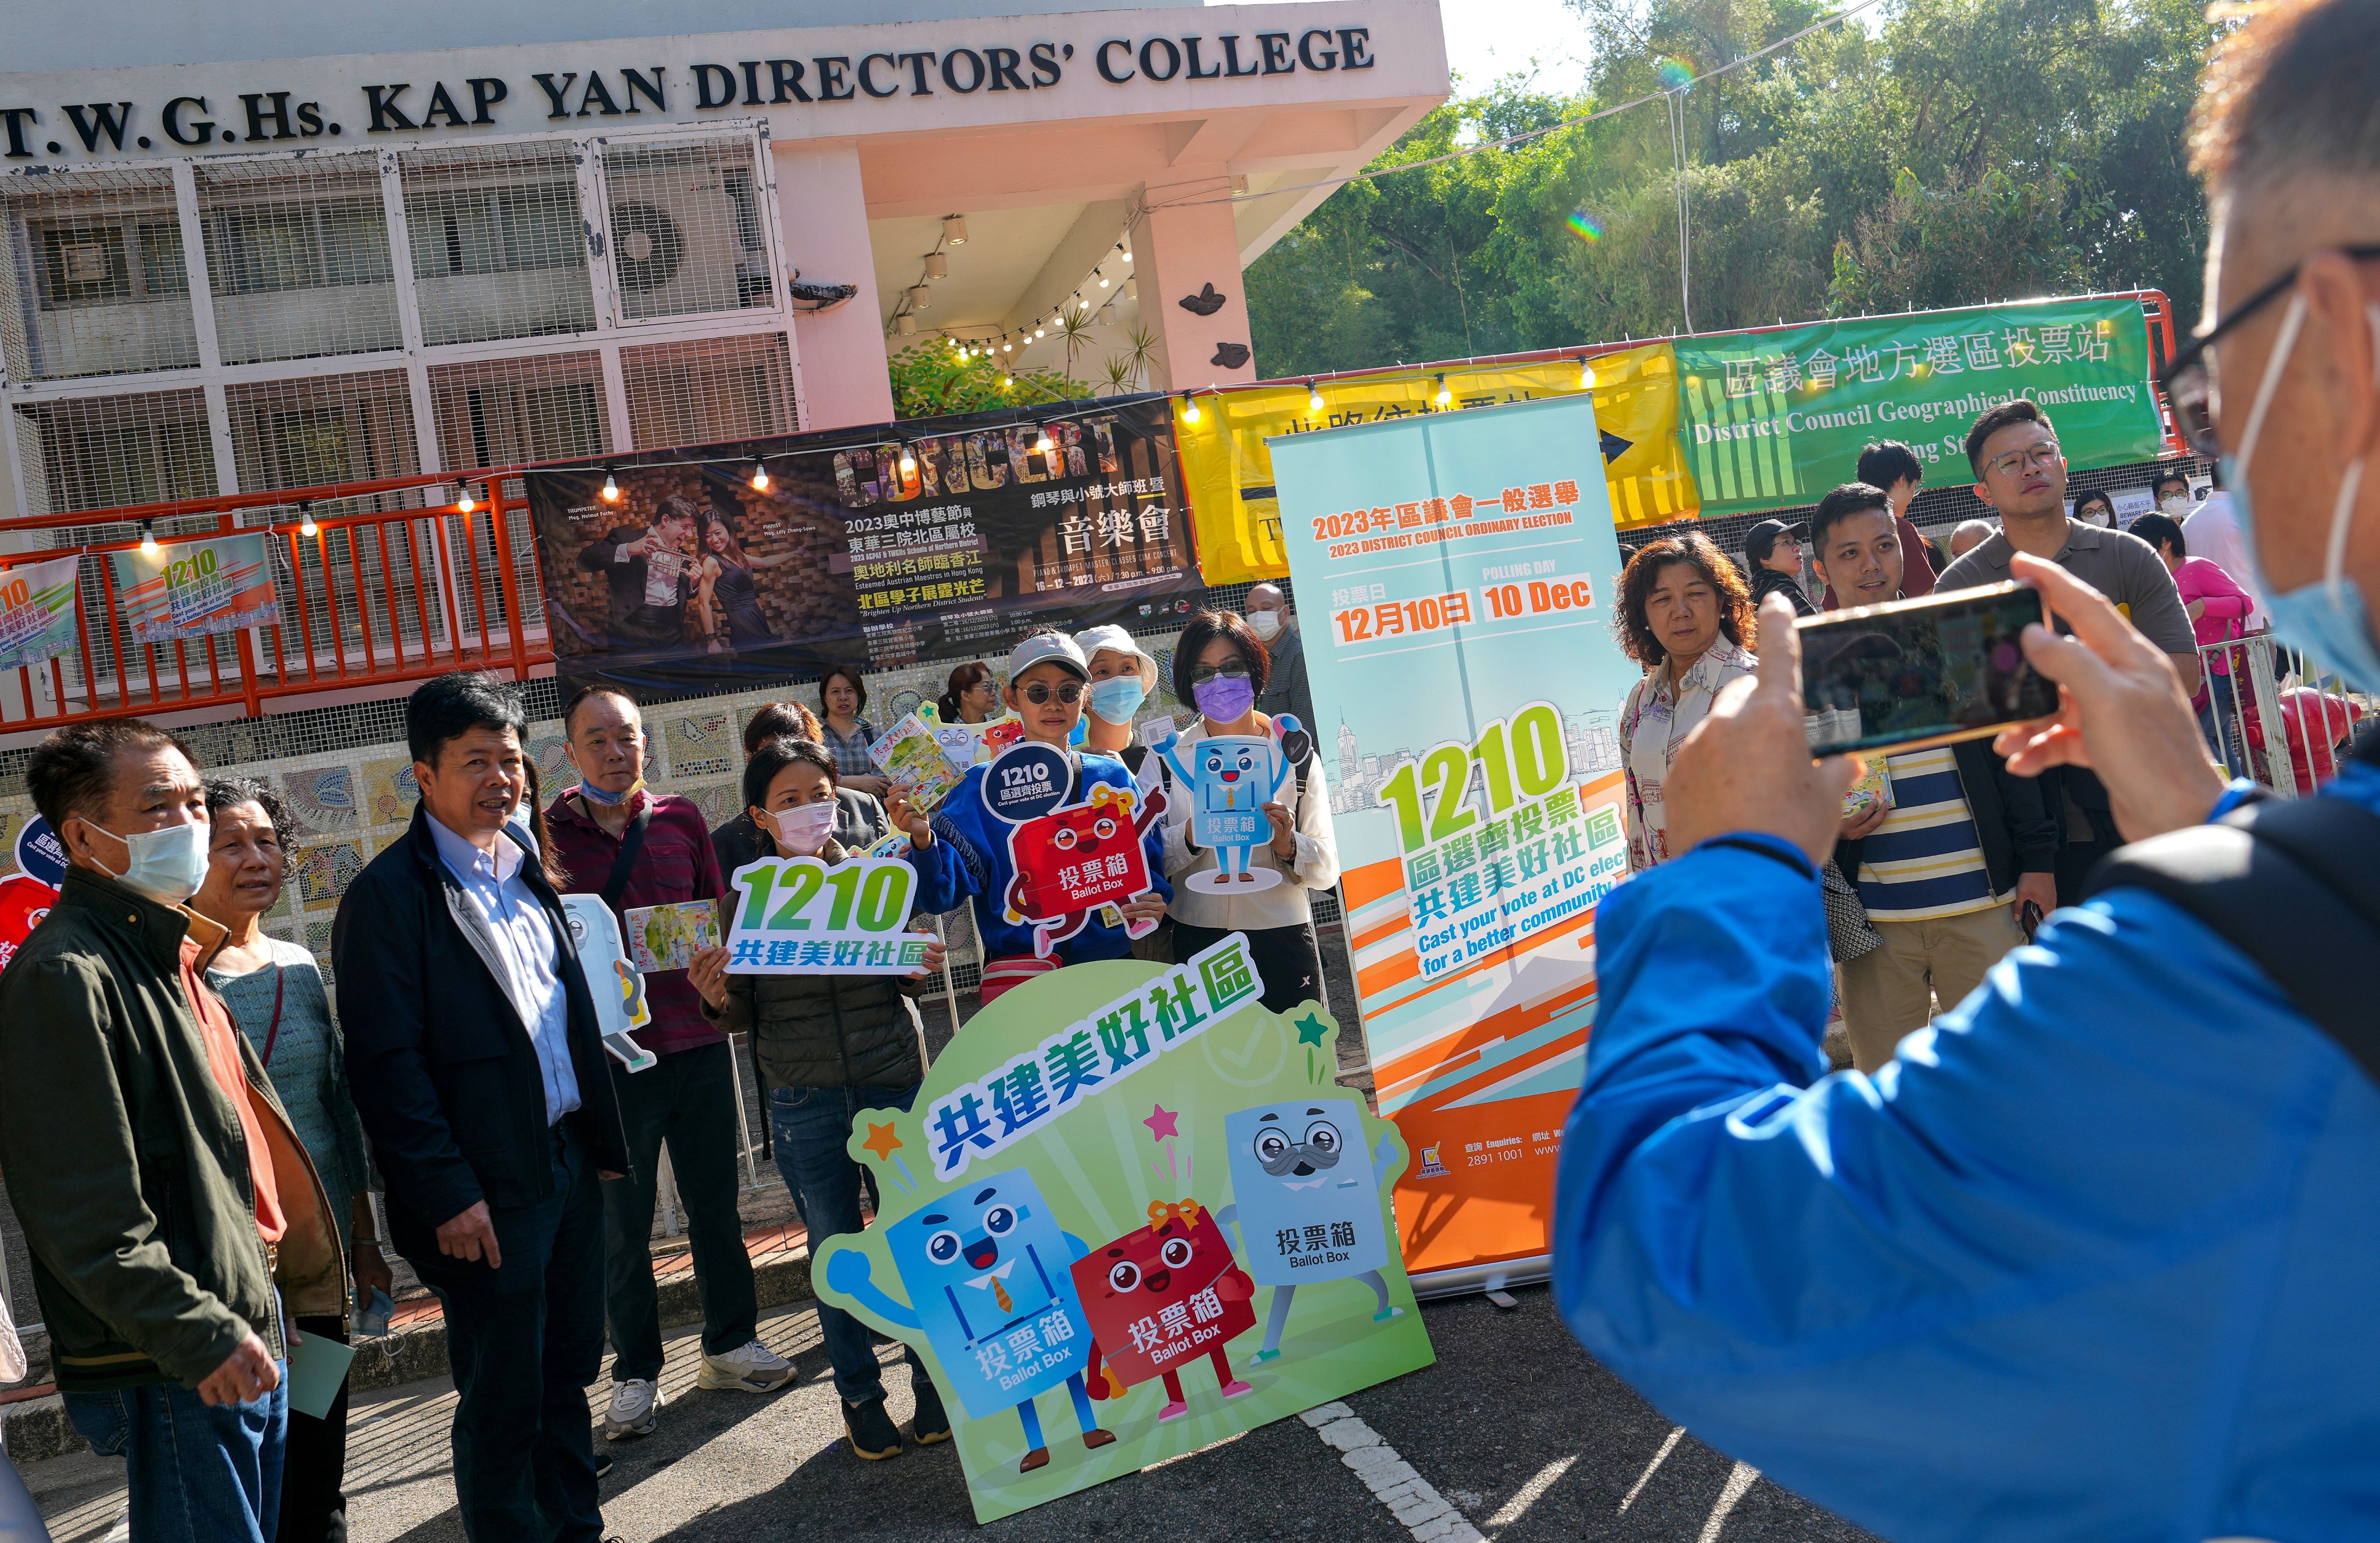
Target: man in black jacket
<point>478,1067</point>
<point>651,575</point>
<point>1948,867</point>
<point>1774,550</point>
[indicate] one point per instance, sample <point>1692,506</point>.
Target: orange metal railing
<point>398,591</point>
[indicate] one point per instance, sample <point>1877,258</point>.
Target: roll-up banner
<point>1467,684</point>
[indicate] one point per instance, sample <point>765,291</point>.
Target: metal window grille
<point>688,235</point>
<point>510,412</point>
<point>103,452</point>
<point>498,246</point>
<point>711,390</point>
<point>303,433</point>
<point>94,282</point>
<point>298,254</point>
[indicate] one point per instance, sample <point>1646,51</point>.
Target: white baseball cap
<point>1115,640</point>
<point>1052,647</point>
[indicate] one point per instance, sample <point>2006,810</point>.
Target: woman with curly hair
<point>1684,615</point>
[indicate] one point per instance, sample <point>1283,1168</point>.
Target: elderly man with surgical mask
<point>2092,1257</point>
<point>1286,689</point>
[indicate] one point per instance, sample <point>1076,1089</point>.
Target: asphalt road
<point>1514,1425</point>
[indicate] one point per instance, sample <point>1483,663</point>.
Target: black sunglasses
<point>1068,692</point>
<point>2189,381</point>
<point>1205,672</point>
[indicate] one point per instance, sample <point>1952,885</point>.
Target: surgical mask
<point>2173,506</point>
<point>2327,618</point>
<point>1265,624</point>
<point>1117,698</point>
<point>804,829</point>
<point>610,800</point>
<point>1224,698</point>
<point>167,865</point>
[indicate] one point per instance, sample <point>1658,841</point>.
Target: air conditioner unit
<point>677,243</point>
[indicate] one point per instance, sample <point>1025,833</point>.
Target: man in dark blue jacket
<point>479,1072</point>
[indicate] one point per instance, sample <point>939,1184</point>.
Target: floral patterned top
<point>1652,725</point>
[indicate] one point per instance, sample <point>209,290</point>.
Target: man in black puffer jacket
<point>826,1047</point>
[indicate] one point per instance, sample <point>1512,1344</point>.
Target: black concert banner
<point>944,538</point>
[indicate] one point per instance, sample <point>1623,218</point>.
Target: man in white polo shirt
<point>1947,871</point>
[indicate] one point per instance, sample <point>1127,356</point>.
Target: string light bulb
<point>1008,348</point>
<point>148,539</point>
<point>1126,251</point>
<point>463,502</point>
<point>305,526</point>
<point>1313,398</point>
<point>1189,408</point>
<point>908,460</point>
<point>1103,281</point>
<point>1041,447</point>
<point>760,475</point>
<point>1007,381</point>
<point>1444,396</point>
<point>610,487</point>
<point>1586,374</point>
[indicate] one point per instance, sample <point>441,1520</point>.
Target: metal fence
<point>2270,716</point>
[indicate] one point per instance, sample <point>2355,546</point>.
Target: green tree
<point>1966,151</point>
<point>930,379</point>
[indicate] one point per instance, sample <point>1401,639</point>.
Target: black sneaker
<point>931,1423</point>
<point>602,1464</point>
<point>873,1434</point>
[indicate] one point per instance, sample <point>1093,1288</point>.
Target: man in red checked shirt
<point>635,848</point>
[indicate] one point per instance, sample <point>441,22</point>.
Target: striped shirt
<point>851,756</point>
<point>1925,860</point>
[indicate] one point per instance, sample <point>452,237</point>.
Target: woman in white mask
<point>824,1046</point>
<point>1124,678</point>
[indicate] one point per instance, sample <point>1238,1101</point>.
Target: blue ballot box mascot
<point>1306,1199</point>
<point>989,1274</point>
<point>1231,778</point>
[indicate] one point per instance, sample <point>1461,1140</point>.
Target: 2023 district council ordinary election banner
<point>1457,575</point>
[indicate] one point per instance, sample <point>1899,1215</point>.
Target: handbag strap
<point>631,842</point>
<point>272,1035</point>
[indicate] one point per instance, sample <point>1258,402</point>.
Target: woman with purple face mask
<point>825,1046</point>
<point>1221,666</point>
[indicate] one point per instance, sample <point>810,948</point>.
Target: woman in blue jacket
<point>966,854</point>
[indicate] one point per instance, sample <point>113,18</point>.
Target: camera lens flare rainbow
<point>1673,74</point>
<point>1585,226</point>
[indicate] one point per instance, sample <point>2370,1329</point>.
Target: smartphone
<point>1912,673</point>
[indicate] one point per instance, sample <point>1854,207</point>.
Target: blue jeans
<point>525,1341</point>
<point>809,1128</point>
<point>2214,720</point>
<point>197,1471</point>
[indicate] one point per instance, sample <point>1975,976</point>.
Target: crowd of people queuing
<point>192,1128</point>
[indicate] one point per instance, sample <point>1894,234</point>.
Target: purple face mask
<point>1224,698</point>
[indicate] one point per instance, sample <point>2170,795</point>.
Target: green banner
<point>1773,419</point>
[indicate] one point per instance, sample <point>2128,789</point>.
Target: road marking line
<point>1739,1479</point>
<point>1527,1494</point>
<point>1650,1468</point>
<point>1417,1507</point>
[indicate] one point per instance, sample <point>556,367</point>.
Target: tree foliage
<point>930,379</point>
<point>1966,151</point>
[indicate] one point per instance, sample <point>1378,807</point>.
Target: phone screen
<point>1940,668</point>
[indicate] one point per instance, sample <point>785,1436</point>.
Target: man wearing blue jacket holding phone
<point>2094,1259</point>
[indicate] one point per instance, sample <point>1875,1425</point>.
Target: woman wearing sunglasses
<point>1221,665</point>
<point>965,851</point>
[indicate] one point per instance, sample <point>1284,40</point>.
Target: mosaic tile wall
<point>348,780</point>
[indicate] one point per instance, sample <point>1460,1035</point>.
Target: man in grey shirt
<point>2020,472</point>
<point>1285,689</point>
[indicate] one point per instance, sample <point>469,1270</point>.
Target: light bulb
<point>464,502</point>
<point>1126,249</point>
<point>1008,348</point>
<point>148,539</point>
<point>1444,396</point>
<point>1006,381</point>
<point>1041,447</point>
<point>908,460</point>
<point>305,526</point>
<point>610,487</point>
<point>1037,332</point>
<point>1313,398</point>
<point>1103,281</point>
<point>1585,376</point>
<point>759,476</point>
<point>1189,408</point>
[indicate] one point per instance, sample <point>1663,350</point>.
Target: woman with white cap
<point>1124,678</point>
<point>966,852</point>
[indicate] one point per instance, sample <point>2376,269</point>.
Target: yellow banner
<point>1229,472</point>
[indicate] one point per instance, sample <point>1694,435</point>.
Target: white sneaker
<point>753,1369</point>
<point>636,1408</point>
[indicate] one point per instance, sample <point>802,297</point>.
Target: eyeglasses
<point>2042,456</point>
<point>2189,381</point>
<point>1205,672</point>
<point>1039,692</point>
